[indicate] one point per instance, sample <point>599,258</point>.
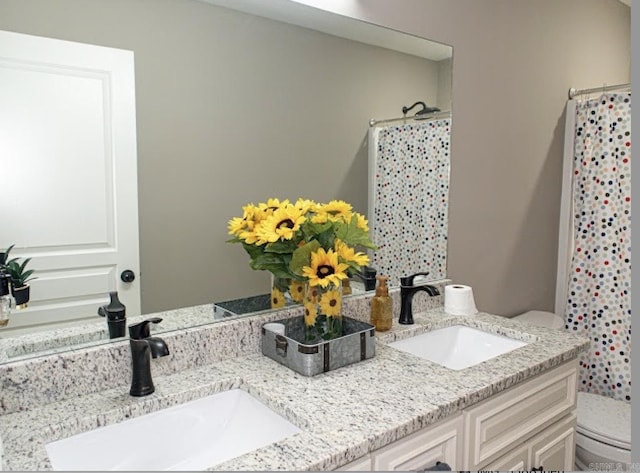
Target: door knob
<point>127,276</point>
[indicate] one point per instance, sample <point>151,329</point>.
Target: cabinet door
<point>441,442</point>
<point>517,460</point>
<point>554,449</point>
<point>499,424</point>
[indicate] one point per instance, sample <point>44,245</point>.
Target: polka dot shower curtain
<point>599,287</point>
<point>408,200</point>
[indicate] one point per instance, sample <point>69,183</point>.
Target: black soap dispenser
<point>5,298</point>
<point>115,313</point>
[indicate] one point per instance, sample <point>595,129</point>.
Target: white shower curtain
<point>598,288</point>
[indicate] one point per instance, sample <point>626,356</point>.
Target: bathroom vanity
<point>393,411</point>
<point>527,427</point>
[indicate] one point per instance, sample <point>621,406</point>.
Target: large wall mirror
<point>236,107</point>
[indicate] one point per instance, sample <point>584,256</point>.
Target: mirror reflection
<point>282,111</point>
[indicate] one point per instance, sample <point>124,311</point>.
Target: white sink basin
<point>191,436</point>
<point>457,347</point>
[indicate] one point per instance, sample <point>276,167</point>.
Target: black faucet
<point>368,276</point>
<point>116,316</point>
<point>143,347</point>
<point>407,291</point>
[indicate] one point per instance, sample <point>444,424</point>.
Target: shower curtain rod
<point>605,88</point>
<point>431,116</point>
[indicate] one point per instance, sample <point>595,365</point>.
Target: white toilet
<point>603,434</point>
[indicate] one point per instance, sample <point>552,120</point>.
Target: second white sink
<point>457,347</point>
<point>192,436</point>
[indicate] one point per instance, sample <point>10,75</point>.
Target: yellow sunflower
<point>250,238</point>
<point>305,205</point>
<point>310,314</point>
<point>297,291</point>
<point>320,217</point>
<point>338,209</point>
<point>253,235</point>
<point>324,268</point>
<point>277,298</point>
<point>349,254</point>
<point>282,225</point>
<point>237,225</point>
<point>251,216</point>
<point>362,223</point>
<point>311,296</point>
<point>271,205</point>
<point>331,303</point>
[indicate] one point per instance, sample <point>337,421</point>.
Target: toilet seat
<point>541,318</point>
<point>605,420</point>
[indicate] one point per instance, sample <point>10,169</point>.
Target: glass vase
<point>323,312</point>
<point>285,292</point>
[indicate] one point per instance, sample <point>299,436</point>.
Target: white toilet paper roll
<point>458,300</point>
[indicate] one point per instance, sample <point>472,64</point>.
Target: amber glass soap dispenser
<point>381,307</point>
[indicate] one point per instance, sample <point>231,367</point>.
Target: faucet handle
<point>367,275</point>
<point>407,281</point>
<point>141,330</point>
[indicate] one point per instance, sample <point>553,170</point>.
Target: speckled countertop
<point>17,347</point>
<point>88,334</point>
<point>343,414</point>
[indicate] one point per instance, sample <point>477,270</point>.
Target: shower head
<point>420,114</point>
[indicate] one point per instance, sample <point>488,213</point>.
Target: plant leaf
<point>271,262</point>
<point>310,230</point>
<point>253,250</point>
<point>287,246</point>
<point>302,257</point>
<point>354,236</point>
<point>5,254</point>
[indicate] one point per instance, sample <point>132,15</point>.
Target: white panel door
<point>69,174</point>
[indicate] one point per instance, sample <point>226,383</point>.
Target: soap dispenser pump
<point>115,313</point>
<point>381,307</point>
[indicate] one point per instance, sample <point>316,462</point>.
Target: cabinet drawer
<point>498,424</point>
<point>441,442</point>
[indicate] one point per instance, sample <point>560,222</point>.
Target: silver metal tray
<point>357,344</point>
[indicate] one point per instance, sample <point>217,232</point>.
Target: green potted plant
<point>4,258</point>
<point>20,276</point>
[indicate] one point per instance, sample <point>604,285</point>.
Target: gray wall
<point>514,61</point>
<point>232,109</point>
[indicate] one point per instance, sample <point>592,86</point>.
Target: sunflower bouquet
<point>309,248</point>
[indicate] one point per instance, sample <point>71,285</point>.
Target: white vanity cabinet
<point>530,425</point>
<point>420,450</point>
<point>553,449</point>
<point>497,428</point>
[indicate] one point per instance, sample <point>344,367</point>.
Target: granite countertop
<point>343,414</point>
<point>51,341</point>
<point>19,347</point>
